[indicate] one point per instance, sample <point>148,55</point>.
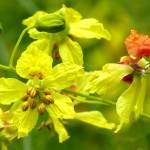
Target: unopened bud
<point>25,106</point>
<point>51,23</point>
<point>41,109</point>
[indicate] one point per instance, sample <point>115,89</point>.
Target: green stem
<point>91,97</point>
<point>7,68</point>
<point>27,143</point>
<point>96,99</point>
<point>11,62</point>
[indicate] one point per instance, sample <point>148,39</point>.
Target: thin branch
<point>11,62</point>
<point>91,97</point>
<point>96,99</point>
<point>7,68</point>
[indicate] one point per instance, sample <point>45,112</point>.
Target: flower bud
<point>25,106</point>
<point>41,109</point>
<point>50,23</point>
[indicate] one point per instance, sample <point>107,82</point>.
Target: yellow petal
<point>89,28</point>
<point>94,118</point>
<point>34,63</point>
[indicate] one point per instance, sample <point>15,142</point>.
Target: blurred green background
<point>119,17</point>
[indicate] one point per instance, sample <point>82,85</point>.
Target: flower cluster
<point>53,89</point>
<point>40,90</point>
<point>132,69</point>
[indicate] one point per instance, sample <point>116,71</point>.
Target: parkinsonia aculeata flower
<point>73,26</point>
<point>41,94</point>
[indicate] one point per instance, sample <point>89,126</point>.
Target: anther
<point>41,109</point>
<point>25,106</point>
<point>48,100</point>
<point>47,92</point>
<point>32,92</point>
<point>32,104</point>
<point>25,97</point>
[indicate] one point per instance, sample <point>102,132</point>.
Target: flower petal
<point>94,118</point>
<point>25,121</point>
<point>35,34</point>
<point>141,96</point>
<point>62,108</point>
<point>44,45</point>
<point>63,75</point>
<point>34,63</point>
<point>11,90</point>
<point>126,102</point>
<point>60,129</point>
<point>71,51</point>
<point>138,45</point>
<point>89,28</point>
<point>30,22</point>
<point>71,15</point>
<point>111,75</point>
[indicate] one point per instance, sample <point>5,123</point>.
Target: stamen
<point>32,92</point>
<point>25,106</point>
<point>48,100</point>
<point>32,103</point>
<point>25,98</point>
<point>41,109</point>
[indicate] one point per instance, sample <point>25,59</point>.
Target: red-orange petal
<point>138,45</point>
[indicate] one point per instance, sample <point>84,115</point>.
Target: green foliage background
<point>118,16</point>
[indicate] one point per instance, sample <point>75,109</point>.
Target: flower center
<point>37,98</point>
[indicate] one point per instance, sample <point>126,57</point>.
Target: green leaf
<point>11,90</point>
<point>25,121</point>
<point>62,108</point>
<point>94,118</point>
<point>60,129</point>
<point>34,63</point>
<point>63,75</point>
<point>89,28</point>
<point>70,51</point>
<point>127,101</point>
